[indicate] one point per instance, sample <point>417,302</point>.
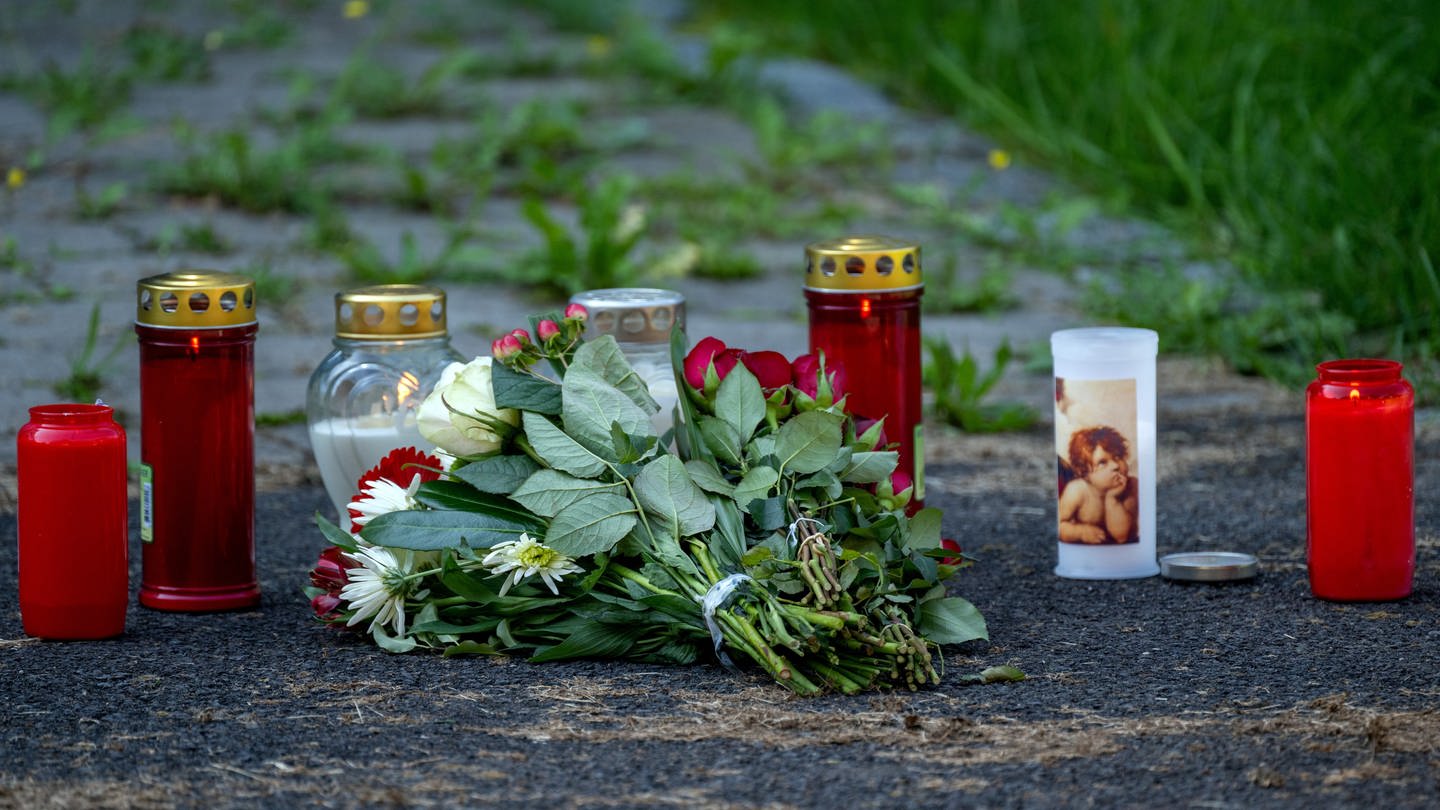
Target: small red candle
<point>1360,477</point>
<point>74,551</point>
<point>863,295</point>
<point>197,441</point>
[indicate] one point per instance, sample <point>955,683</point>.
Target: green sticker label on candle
<point>147,504</point>
<point>919,493</point>
<point>1095,442</point>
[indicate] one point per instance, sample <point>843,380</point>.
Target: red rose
<point>805,376</point>
<point>770,368</point>
<point>707,352</point>
<point>331,572</point>
<point>950,545</point>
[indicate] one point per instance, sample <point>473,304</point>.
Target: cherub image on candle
<point>1100,502</point>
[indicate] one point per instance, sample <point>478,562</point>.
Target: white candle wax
<point>1105,443</point>
<point>660,379</point>
<point>345,449</point>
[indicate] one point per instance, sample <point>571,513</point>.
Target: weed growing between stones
<point>960,390</point>
<point>87,373</point>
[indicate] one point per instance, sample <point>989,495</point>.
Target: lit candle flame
<point>864,307</point>
<point>409,384</point>
<point>1354,394</point>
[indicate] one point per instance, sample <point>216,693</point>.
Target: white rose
<point>446,415</point>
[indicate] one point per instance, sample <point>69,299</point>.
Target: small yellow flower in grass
<point>999,159</point>
<point>525,558</point>
<point>598,46</point>
<point>15,178</point>
<point>355,9</point>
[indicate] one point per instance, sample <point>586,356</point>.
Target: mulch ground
<point>1148,691</point>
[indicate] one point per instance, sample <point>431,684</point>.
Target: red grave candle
<point>74,549</point>
<point>1360,477</point>
<point>863,295</point>
<point>197,441</point>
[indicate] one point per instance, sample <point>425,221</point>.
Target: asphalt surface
<point>1140,692</point>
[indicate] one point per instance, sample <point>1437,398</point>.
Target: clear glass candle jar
<point>1360,481</point>
<point>640,319</point>
<point>391,344</point>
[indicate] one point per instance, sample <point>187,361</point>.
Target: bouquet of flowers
<point>555,521</point>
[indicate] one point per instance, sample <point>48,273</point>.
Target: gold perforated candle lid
<point>195,299</point>
<point>390,312</point>
<point>863,264</point>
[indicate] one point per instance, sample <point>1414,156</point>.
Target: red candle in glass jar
<point>74,549</point>
<point>863,294</point>
<point>197,441</point>
<point>1360,478</point>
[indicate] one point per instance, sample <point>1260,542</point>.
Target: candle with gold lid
<point>197,440</point>
<point>863,294</point>
<point>640,319</point>
<point>391,344</point>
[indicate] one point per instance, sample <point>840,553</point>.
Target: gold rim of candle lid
<point>633,314</point>
<point>195,299</point>
<point>390,312</point>
<point>863,264</point>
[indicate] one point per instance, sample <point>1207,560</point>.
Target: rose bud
<point>577,313</point>
<point>706,352</point>
<point>520,335</point>
<point>547,330</point>
<point>506,347</point>
<point>950,545</point>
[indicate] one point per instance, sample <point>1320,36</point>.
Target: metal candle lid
<point>390,312</point>
<point>863,264</point>
<point>1209,566</point>
<point>633,314</point>
<point>195,299</point>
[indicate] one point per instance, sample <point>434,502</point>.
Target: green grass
<point>161,54</point>
<point>1295,139</point>
<point>83,99</point>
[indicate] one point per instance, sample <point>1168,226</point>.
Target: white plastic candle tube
<point>1105,450</point>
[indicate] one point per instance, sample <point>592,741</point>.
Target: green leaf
<point>809,441</point>
<point>390,643</point>
<point>498,475</point>
<point>548,491</point>
<point>755,485</point>
<point>525,392</point>
<point>705,476</point>
<point>769,514</point>
<point>436,529</point>
<point>666,492</point>
<point>336,535</point>
<point>602,357</point>
<point>740,402</point>
<point>593,640</point>
<point>950,621</point>
<point>823,480</point>
<point>591,525</point>
<point>870,468</point>
<point>924,530</point>
<point>592,405</point>
<point>721,439</point>
<point>727,541</point>
<point>471,648</point>
<point>455,496</point>
<point>559,450</point>
<point>756,555</point>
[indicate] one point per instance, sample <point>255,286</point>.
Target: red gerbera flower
<point>393,468</point>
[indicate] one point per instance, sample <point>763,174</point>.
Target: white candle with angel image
<point>1105,451</point>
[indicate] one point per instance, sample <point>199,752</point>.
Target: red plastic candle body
<point>197,442</point>
<point>863,295</point>
<point>1360,476</point>
<point>74,550</point>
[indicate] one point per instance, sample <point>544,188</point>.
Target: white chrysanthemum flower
<point>379,586</point>
<point>525,558</point>
<point>383,496</point>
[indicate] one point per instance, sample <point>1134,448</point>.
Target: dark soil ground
<point>1141,692</point>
